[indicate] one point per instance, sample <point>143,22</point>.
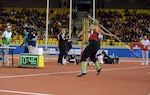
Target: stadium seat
<point>120,44</point>
<point>115,43</point>
<point>79,43</point>
<point>17,42</point>
<point>54,39</point>
<point>49,43</point>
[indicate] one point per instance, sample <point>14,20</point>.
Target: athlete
<point>92,47</point>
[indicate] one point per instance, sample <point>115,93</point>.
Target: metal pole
<point>70,18</point>
<point>94,9</point>
<point>46,32</point>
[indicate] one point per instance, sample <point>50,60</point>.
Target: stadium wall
<point>120,52</point>
<point>56,4</point>
<point>125,4</point>
<point>30,3</point>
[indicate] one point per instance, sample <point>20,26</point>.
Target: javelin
<point>117,38</point>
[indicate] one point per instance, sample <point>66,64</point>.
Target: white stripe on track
<point>20,92</point>
<point>69,72</point>
<point>45,58</point>
<point>121,60</point>
<point>130,61</point>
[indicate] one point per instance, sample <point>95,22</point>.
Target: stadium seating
<point>124,16</point>
<point>54,12</point>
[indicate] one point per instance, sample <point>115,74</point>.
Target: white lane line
<point>20,92</point>
<point>45,58</point>
<point>121,60</point>
<point>68,72</point>
<point>40,74</point>
<point>130,61</point>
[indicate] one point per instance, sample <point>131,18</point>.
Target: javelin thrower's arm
<point>86,30</point>
<point>107,34</point>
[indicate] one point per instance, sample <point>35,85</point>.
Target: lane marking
<point>68,72</point>
<point>130,60</point>
<point>20,92</point>
<point>121,60</point>
<point>45,58</point>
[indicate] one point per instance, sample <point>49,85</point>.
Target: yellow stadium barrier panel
<point>79,43</point>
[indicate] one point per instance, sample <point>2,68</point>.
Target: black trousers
<point>61,52</point>
<point>26,49</point>
<point>90,51</point>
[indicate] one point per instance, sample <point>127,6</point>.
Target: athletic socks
<point>97,65</point>
<point>83,65</point>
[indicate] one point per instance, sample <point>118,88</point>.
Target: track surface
<point>126,78</point>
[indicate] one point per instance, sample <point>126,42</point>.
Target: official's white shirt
<point>145,42</point>
<point>7,34</point>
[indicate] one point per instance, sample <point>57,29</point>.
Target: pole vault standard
<point>94,9</point>
<point>70,18</point>
<point>117,39</point>
<point>46,32</point>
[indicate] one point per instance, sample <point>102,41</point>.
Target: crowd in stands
<point>20,19</point>
<point>32,17</point>
<point>128,25</point>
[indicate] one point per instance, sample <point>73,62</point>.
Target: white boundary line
<point>130,61</point>
<point>68,72</point>
<point>123,60</point>
<point>20,92</point>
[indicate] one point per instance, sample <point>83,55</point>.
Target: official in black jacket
<point>61,45</point>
